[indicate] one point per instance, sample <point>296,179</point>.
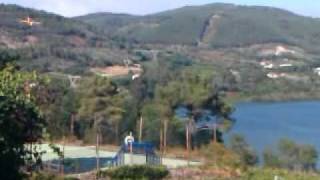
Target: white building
<point>273,75</point>
<point>282,50</point>
<point>285,65</point>
<point>317,71</point>
<point>267,64</point>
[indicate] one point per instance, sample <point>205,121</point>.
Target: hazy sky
<point>80,7</point>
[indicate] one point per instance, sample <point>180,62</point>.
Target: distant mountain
<point>57,43</point>
<point>213,25</point>
<point>73,45</point>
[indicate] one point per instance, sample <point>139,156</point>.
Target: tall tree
<point>239,146</point>
<point>20,121</point>
<point>292,156</point>
<point>101,106</point>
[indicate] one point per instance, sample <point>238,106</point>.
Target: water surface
<point>264,124</point>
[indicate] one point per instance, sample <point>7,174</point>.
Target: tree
<point>101,107</point>
<point>7,57</point>
<point>194,91</point>
<point>291,155</point>
<point>20,122</point>
<point>239,145</point>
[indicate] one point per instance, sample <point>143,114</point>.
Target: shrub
<point>216,154</point>
<point>267,174</point>
<point>45,176</point>
<point>247,155</point>
<point>293,156</point>
<point>136,172</point>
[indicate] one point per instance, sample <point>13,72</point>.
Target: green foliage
<point>137,172</point>
<point>239,145</point>
<point>102,106</point>
<point>20,122</point>
<point>187,25</point>
<point>57,44</point>
<point>44,176</point>
<point>267,174</point>
<point>216,154</point>
<point>292,156</point>
<point>7,57</point>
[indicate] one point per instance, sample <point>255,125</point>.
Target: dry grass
<point>117,70</point>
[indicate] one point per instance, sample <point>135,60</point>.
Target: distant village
<point>274,67</point>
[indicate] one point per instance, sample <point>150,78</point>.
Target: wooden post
<point>188,141</point>
<point>165,135</point>
<point>62,160</point>
<point>214,133</point>
<point>72,124</point>
<point>131,155</point>
<point>140,129</point>
<point>214,142</point>
<point>161,142</point>
<point>97,154</point>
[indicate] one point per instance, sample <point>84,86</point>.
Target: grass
<point>268,174</point>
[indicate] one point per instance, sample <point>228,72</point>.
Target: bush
<point>136,172</point>
<point>292,156</point>
<point>216,154</point>
<point>267,174</point>
<point>45,176</point>
<point>247,155</point>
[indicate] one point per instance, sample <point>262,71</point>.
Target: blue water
<point>264,124</point>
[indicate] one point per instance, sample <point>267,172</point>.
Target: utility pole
<point>161,141</point>
<point>188,139</point>
<point>72,124</point>
<point>140,129</point>
<point>214,142</point>
<point>63,153</point>
<point>214,133</point>
<point>97,146</point>
<point>187,142</point>
<point>97,154</point>
<point>165,135</point>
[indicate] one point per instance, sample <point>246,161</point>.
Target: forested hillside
<point>232,26</point>
<point>57,43</point>
<point>234,38</point>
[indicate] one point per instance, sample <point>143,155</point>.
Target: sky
<point>70,8</point>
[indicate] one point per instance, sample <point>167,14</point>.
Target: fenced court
<point>80,159</point>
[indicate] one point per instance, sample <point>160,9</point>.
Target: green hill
<point>57,44</point>
<point>216,25</point>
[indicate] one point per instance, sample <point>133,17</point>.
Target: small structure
<point>282,50</point>
<point>267,64</point>
<point>74,80</point>
<point>135,76</point>
<point>273,75</point>
<point>285,65</point>
<point>317,71</point>
<point>132,152</point>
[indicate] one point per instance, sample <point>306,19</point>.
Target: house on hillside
<point>317,71</point>
<point>267,64</point>
<point>273,75</point>
<point>285,65</point>
<point>280,50</point>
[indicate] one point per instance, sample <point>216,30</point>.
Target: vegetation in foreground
<point>136,172</point>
